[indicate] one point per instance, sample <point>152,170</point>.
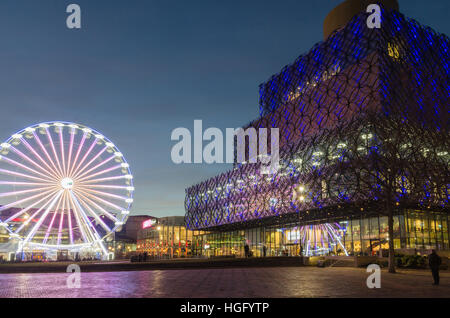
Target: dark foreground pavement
<point>115,266</point>
<point>228,282</point>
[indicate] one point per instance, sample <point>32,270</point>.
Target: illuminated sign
<point>148,223</point>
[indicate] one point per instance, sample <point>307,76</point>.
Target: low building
<point>124,243</point>
<point>165,237</point>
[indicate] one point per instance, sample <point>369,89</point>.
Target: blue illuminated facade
<point>363,123</point>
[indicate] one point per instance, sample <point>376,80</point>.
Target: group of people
<point>141,257</point>
<point>249,253</point>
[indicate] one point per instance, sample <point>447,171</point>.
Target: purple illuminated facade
<point>363,122</point>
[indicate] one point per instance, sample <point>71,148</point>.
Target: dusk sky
<point>139,69</point>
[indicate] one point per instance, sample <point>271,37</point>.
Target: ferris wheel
<point>63,186</point>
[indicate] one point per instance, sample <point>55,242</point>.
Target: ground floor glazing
<point>413,229</point>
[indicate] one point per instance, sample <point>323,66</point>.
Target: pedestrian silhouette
<point>246,250</point>
<point>434,261</point>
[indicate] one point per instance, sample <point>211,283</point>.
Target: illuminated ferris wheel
<point>63,186</point>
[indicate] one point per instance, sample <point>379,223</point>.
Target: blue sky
<point>138,69</point>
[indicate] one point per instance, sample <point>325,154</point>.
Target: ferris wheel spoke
<point>24,210</point>
<point>25,157</point>
<point>105,194</point>
<point>79,176</point>
<point>61,219</point>
<point>52,145</point>
<point>50,226</point>
<point>61,147</point>
<point>124,176</point>
<point>34,152</point>
<point>109,215</point>
<point>43,217</point>
<point>75,214</point>
<point>69,219</point>
<point>23,175</point>
<point>95,198</point>
<point>41,145</point>
<point>108,186</point>
<point>16,203</point>
<point>95,215</point>
<point>33,216</point>
<point>80,146</point>
<point>19,165</point>
<point>91,228</point>
<point>81,225</point>
<point>69,157</point>
<point>91,161</point>
<point>100,172</point>
<point>74,171</point>
<point>23,184</point>
<point>15,193</point>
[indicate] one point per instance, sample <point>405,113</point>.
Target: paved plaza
<point>228,282</point>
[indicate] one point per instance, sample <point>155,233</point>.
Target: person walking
<point>246,250</point>
<point>264,250</point>
<point>434,261</point>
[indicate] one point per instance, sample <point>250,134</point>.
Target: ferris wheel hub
<point>67,183</point>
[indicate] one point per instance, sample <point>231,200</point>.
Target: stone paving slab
<point>228,283</point>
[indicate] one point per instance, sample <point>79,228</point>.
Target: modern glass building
<point>363,125</point>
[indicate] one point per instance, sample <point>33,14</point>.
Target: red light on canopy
<point>148,223</point>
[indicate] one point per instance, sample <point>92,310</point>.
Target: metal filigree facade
<point>363,122</point>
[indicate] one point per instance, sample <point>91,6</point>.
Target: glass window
<point>374,229</point>
<point>445,232</point>
<point>426,230</point>
<point>356,234</point>
<point>366,248</point>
